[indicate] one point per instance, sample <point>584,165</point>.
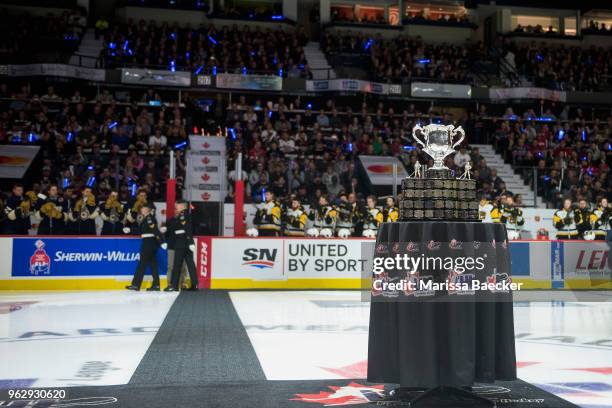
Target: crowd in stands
<point>404,58</point>
<point>22,35</point>
<point>289,149</point>
<point>262,12</point>
<point>94,141</point>
<point>207,49</point>
<point>571,155</point>
<point>561,67</point>
<point>339,16</point>
<point>595,27</point>
<point>537,29</point>
<point>313,153</point>
<point>419,15</point>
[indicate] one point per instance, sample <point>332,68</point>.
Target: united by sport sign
<point>279,259</point>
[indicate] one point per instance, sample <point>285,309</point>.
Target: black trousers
<point>568,237</point>
<point>180,255</point>
<point>148,249</point>
<point>50,227</point>
<point>110,228</point>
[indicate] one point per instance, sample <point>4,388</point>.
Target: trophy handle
<point>454,132</point>
<point>416,128</point>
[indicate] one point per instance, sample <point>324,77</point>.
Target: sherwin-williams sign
<point>52,257</point>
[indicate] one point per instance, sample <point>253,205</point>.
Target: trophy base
<point>438,174</point>
<point>438,199</point>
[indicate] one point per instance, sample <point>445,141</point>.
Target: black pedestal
<point>443,344</point>
<point>451,397</point>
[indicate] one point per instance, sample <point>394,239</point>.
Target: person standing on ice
<point>180,231</point>
<point>152,239</point>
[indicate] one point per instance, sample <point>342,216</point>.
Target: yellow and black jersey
<point>565,223</point>
<point>373,218</point>
<point>324,216</point>
<point>512,217</point>
<point>268,216</point>
<point>485,209</point>
<point>496,213</point>
<point>583,219</point>
<point>391,214</point>
<point>295,221</point>
<point>600,221</point>
<point>345,217</point>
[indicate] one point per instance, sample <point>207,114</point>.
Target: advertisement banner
<point>254,82</point>
<point>556,264</point>
<point>527,93</point>
<point>203,261</point>
<point>155,77</point>
<point>70,257</point>
<point>15,160</point>
<point>206,169</point>
<point>586,260</point>
<point>58,70</point>
<point>379,169</point>
<point>256,259</point>
<point>352,85</point>
<point>435,90</point>
<point>323,258</point>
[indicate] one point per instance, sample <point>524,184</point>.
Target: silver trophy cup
<point>438,141</point>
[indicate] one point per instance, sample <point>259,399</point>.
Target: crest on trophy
<point>438,141</point>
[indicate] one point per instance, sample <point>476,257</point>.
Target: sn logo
<point>259,254</point>
<point>260,258</point>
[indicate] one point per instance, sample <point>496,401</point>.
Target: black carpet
<point>272,394</point>
<point>202,340</point>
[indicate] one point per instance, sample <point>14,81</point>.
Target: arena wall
<point>102,263</point>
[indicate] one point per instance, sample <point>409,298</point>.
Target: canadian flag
<point>205,177</point>
<point>206,145</point>
<point>205,160</point>
<point>205,196</point>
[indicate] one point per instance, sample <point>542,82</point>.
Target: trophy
<point>438,142</point>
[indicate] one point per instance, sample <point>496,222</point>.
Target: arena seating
<point>207,49</point>
<point>289,145</point>
<point>404,58</point>
<point>24,37</point>
<point>560,67</point>
<point>116,143</point>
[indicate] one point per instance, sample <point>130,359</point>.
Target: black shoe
<point>153,289</point>
<point>170,289</point>
<point>132,287</point>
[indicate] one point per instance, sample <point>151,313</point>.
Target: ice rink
<point>66,339</point>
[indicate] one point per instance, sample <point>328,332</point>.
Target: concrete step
<point>84,62</point>
<point>514,182</point>
<point>89,50</point>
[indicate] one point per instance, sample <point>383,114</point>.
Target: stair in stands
<point>318,61</point>
<point>514,182</point>
<point>89,50</point>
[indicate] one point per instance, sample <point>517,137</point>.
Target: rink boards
<point>87,263</point>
